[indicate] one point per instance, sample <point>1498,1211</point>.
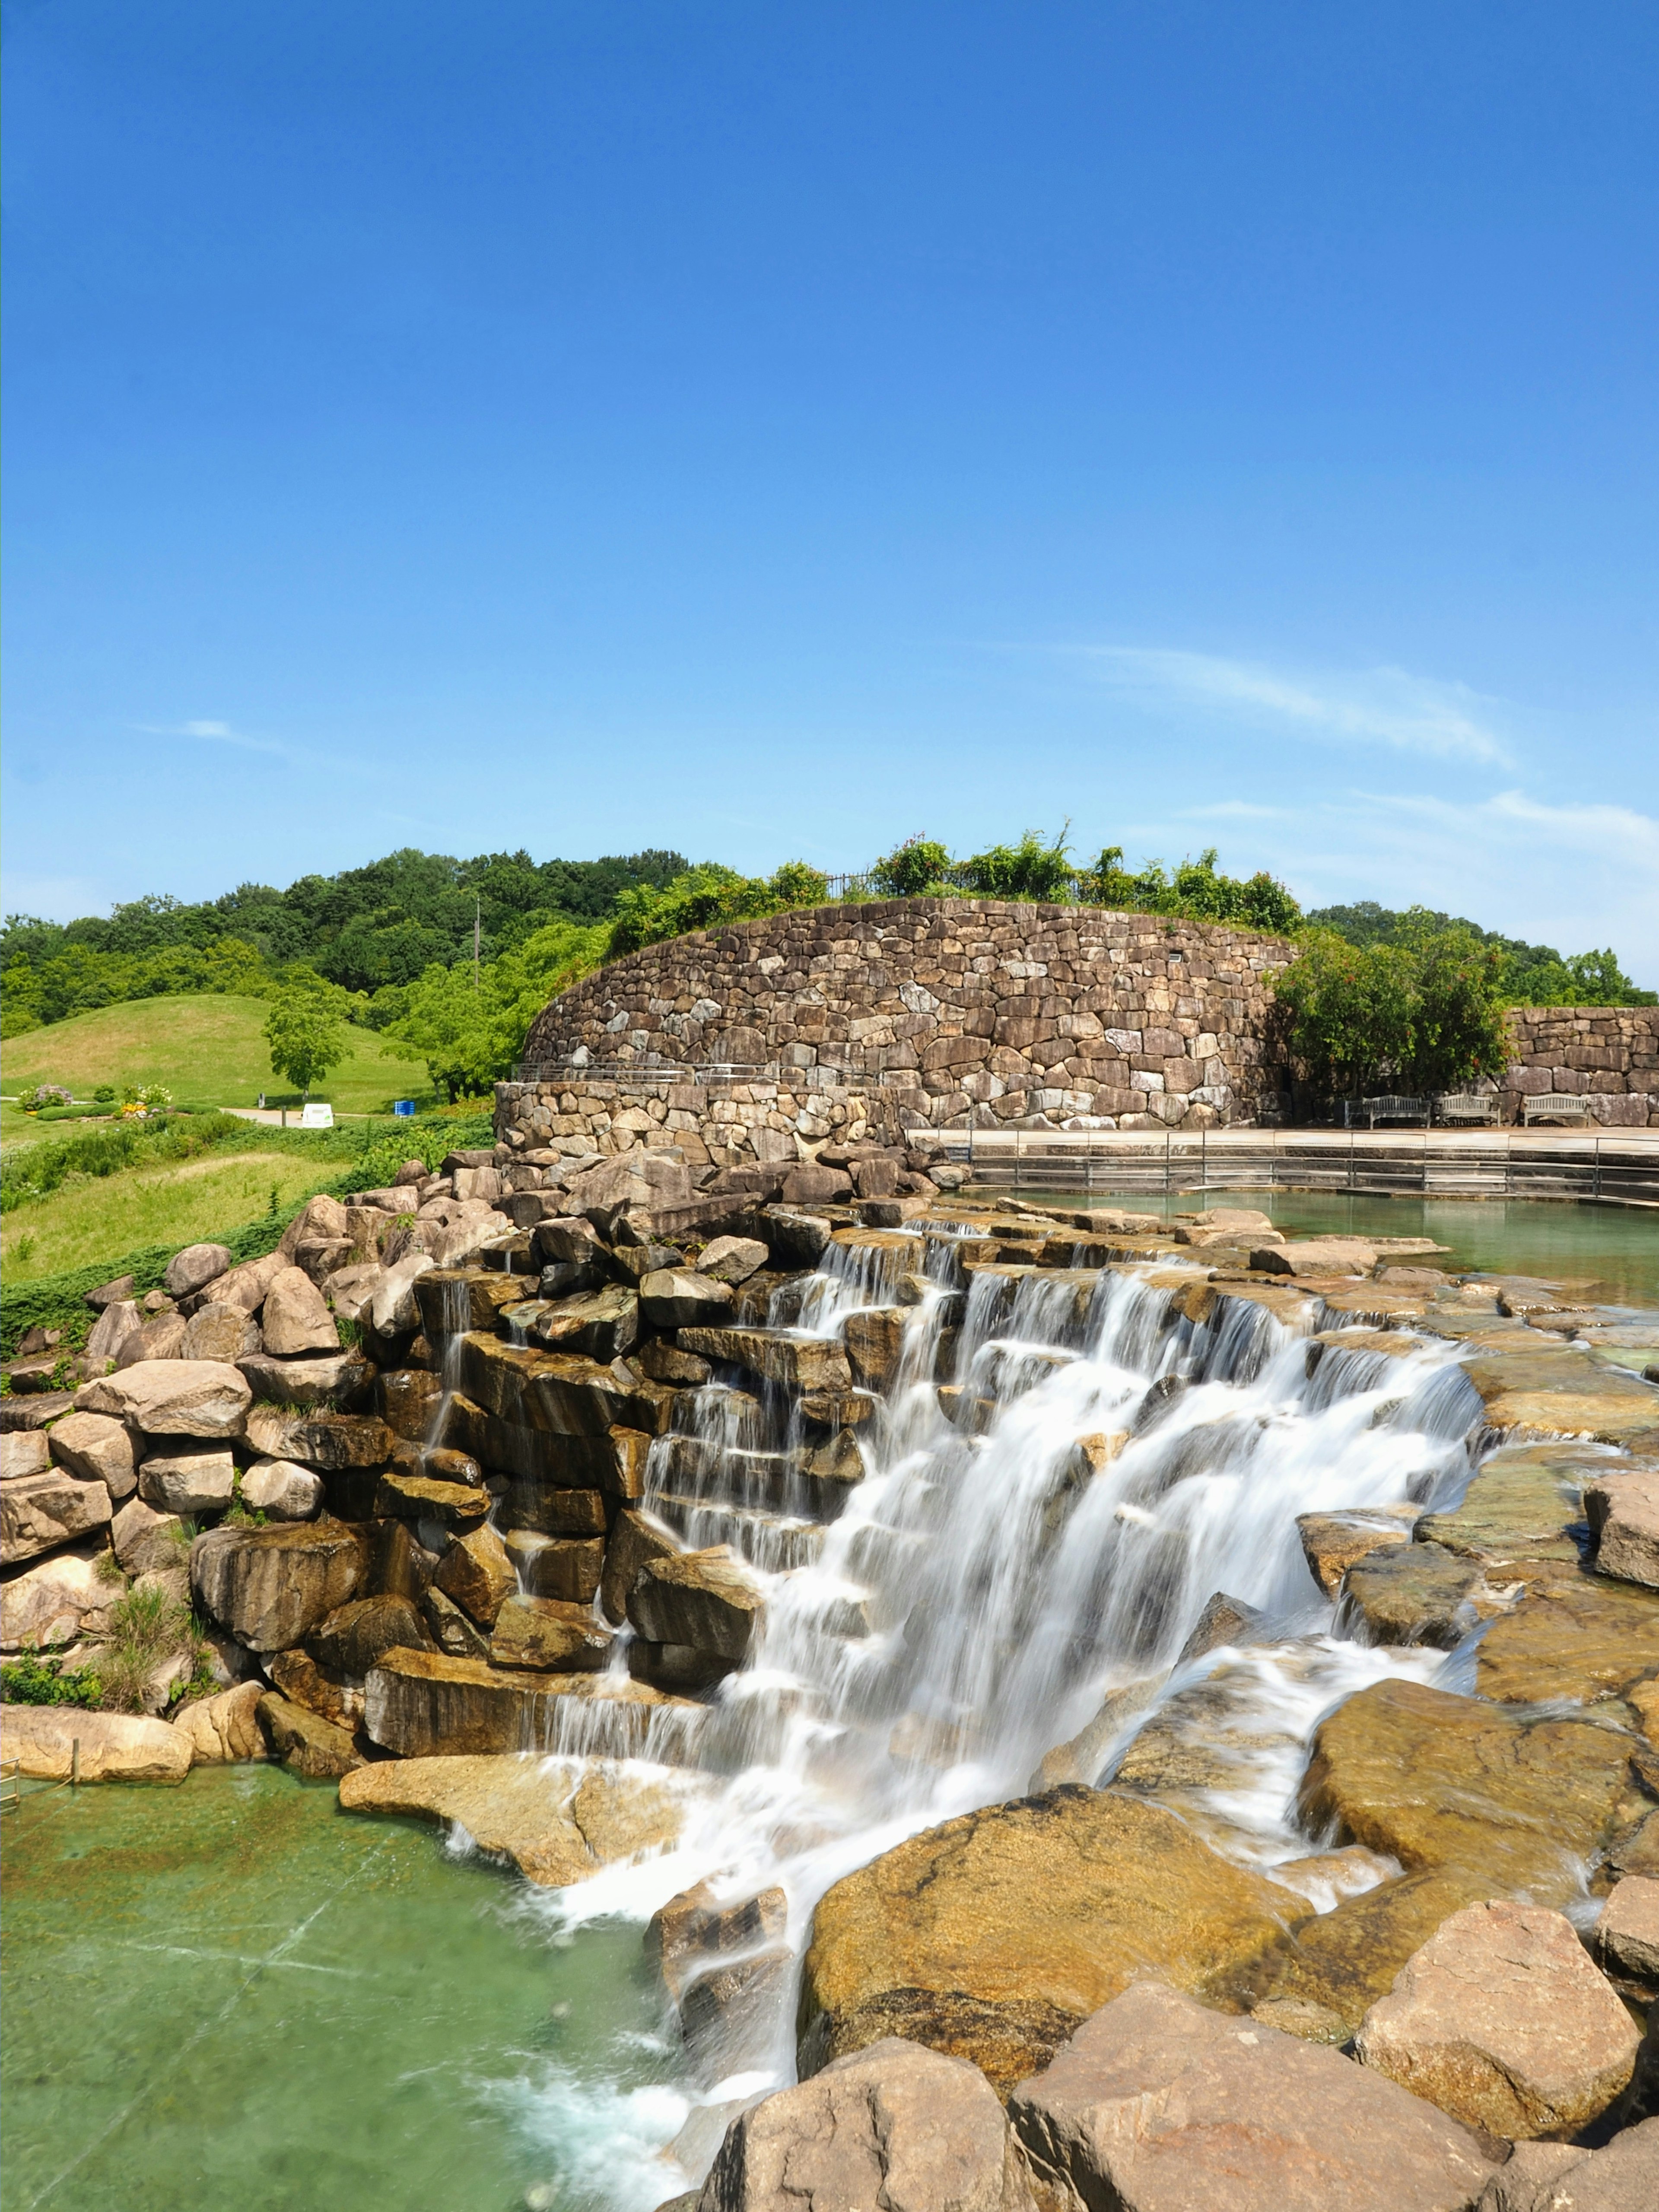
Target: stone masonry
<point>1606,1055</point>
<point>908,1013</point>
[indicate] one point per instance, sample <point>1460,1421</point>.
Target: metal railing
<point>1602,1171</point>
<point>12,1778</point>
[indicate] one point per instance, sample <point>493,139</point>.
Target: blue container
<point>406,1107</point>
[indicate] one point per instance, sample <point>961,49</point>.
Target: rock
<point>604,1324</point>
<point>108,1294</point>
<point>320,1750</point>
<point>161,1339</point>
<point>330,1442</point>
<point>1323,1255</point>
<point>811,1185</point>
<point>1158,2104</point>
<point>708,1600</point>
<point>666,1363</point>
<point>146,1541</point>
<point>476,1573</point>
<point>24,1452</point>
<point>296,1319</point>
<point>272,1587</point>
<point>1623,1511</point>
<point>408,1399</point>
<point>39,1512</point>
<point>417,1497</point>
<point>314,1379</point>
<point>1564,2177</point>
<point>1340,1962</point>
<point>1334,1542</point>
<point>1627,1934</point>
<point>356,1635</point>
<point>54,1602</point>
<point>994,1935</point>
<point>321,1689</point>
<point>732,1259</point>
<point>451,1629</point>
<point>683,1936</point>
<point>282,1490</point>
<point>558,1393</point>
<point>114,1747</point>
<point>650,1182</point>
<point>556,1566</point>
<point>875,1343</point>
<point>172,1398</point>
<point>547,1512</point>
<point>548,1633</point>
<point>199,1481</point>
<point>392,1309</point>
<point>675,1297</point>
<point>96,1449</point>
<point>319,1217</point>
<point>118,1321</point>
<point>1522,1509</point>
<point>1501,2021</point>
<point>19,1415</point>
<point>1224,1620</point>
<point>197,1265</point>
<point>246,1286</point>
<point>1410,1594</point>
<point>805,1363</point>
<point>221,1332</point>
<point>893,2125</point>
<point>1576,1637</point>
<point>224,1727</point>
<point>423,1702</point>
<point>1440,1781</point>
<point>552,1828</point>
<point>635,1538</point>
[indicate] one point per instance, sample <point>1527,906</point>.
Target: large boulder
<point>554,1824</point>
<point>202,1480</point>
<point>550,1634</point>
<point>40,1512</point>
<point>1340,1962</point>
<point>1438,1781</point>
<point>54,1602</point>
<point>1574,1636</point>
<point>894,2125</point>
<point>994,1935</point>
<point>1623,1511</point>
<point>1545,2177</point>
<point>272,1587</point>
<point>321,1378</point>
<point>694,1931</point>
<point>246,1286</point>
<point>635,1539</point>
<point>319,1218</point>
<point>1501,2021</point>
<point>24,1452</point>
<point>419,1703</point>
<point>705,1601</point>
<point>330,1442</point>
<point>1334,1542</point>
<point>282,1490</point>
<point>113,1747</point>
<point>220,1331</point>
<point>1410,1594</point>
<point>120,1319</point>
<point>97,1450</point>
<point>224,1727</point>
<point>393,1311</point>
<point>147,1542</point>
<point>559,1393</point>
<point>1522,1509</point>
<point>799,1362</point>
<point>355,1635</point>
<point>603,1324</point>
<point>1159,2105</point>
<point>320,1750</point>
<point>1627,1934</point>
<point>632,1182</point>
<point>1319,1255</point>
<point>732,1259</point>
<point>162,1338</point>
<point>475,1572</point>
<point>296,1319</point>
<point>567,1567</point>
<point>194,1267</point>
<point>172,1398</point>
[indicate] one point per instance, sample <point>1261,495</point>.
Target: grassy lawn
<point>207,1051</point>
<point>180,1202</point>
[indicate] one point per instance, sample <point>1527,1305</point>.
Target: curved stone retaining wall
<point>953,1007</point>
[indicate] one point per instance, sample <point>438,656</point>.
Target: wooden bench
<point>1554,1106</point>
<point>1467,1108</point>
<point>1390,1108</point>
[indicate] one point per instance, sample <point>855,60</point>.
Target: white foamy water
<point>981,1593</point>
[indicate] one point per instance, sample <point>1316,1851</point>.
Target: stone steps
<point>774,1543</point>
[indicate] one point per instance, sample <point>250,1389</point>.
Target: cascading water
<point>1112,1463</point>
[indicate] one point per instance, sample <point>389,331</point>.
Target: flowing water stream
<point>471,2046</point>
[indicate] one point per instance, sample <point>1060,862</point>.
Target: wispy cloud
<point>1372,707</point>
<point>219,733</point>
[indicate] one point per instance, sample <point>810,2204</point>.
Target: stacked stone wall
<point>951,1011</point>
<point>1607,1055</point>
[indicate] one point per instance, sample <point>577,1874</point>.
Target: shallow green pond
<point>232,1995</point>
<point>1612,1252</point>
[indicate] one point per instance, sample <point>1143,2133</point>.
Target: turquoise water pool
<point>232,1995</point>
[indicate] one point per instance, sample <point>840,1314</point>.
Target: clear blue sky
<point>775,430</point>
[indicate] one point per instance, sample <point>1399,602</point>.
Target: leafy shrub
<point>1421,1019</point>
<point>45,1094</point>
<point>38,1679</point>
<point>1030,870</point>
<point>911,870</point>
<point>704,897</point>
<point>104,1094</point>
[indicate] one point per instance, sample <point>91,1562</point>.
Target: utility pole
<point>474,939</point>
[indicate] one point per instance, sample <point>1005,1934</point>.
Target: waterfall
<point>1111,1463</point>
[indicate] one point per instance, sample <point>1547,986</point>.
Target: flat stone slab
<point>1158,2104</point>
<point>114,1747</point>
<point>1521,1508</point>
<point>1575,1635</point>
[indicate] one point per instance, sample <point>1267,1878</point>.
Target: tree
<point>911,870</point>
<point>304,1030</point>
<point>1424,1016</point>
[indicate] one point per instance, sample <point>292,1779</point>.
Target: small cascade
<point>454,1319</point>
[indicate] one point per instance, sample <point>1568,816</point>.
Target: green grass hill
<point>207,1050</point>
